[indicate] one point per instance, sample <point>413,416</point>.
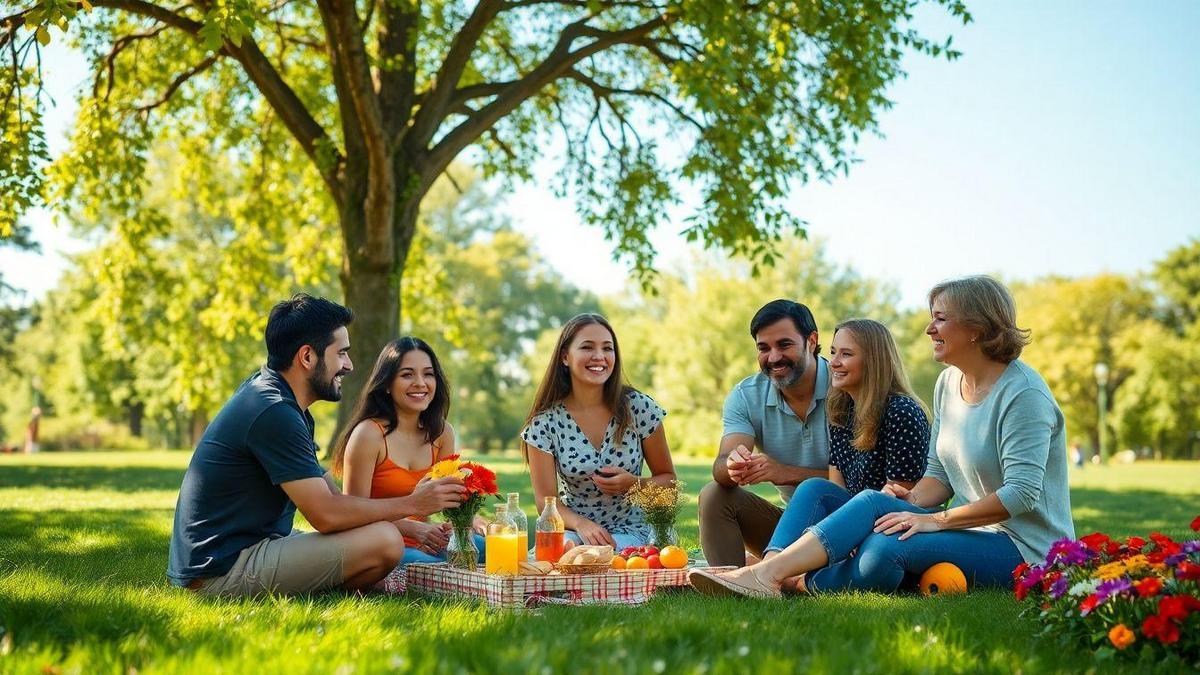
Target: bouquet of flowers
<point>480,482</point>
<point>661,504</point>
<point>1139,596</point>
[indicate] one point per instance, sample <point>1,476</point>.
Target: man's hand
<point>898,491</point>
<point>431,496</point>
<point>760,468</point>
<point>431,537</point>
<point>736,464</point>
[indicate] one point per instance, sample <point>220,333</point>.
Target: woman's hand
<point>897,490</point>
<point>613,480</point>
<point>593,534</point>
<point>431,537</point>
<point>908,523</point>
<point>479,525</point>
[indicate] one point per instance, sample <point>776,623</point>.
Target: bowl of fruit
<point>638,558</point>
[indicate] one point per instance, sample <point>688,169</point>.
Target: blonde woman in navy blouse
<point>878,428</point>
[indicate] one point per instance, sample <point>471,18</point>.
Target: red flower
<point>1049,580</point>
<point>1112,548</point>
<point>1148,587</point>
<point>1089,603</point>
<point>1161,539</point>
<point>1196,524</point>
<point>1159,628</point>
<point>1020,570</point>
<point>1020,591</point>
<point>1157,557</point>
<point>1135,543</point>
<point>481,481</point>
<point>1095,541</point>
<point>1177,607</point>
<point>1188,570</point>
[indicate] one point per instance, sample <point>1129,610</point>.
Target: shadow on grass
<point>118,479</point>
<point>1123,513</point>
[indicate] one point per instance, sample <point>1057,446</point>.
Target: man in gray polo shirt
<point>774,432</point>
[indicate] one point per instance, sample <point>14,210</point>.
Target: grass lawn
<point>83,548</point>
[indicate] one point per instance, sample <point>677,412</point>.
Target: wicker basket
<point>590,568</point>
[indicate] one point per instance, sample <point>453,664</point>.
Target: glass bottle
<point>500,545</point>
<point>522,521</point>
<point>550,531</point>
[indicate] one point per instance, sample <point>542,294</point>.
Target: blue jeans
<point>622,539</point>
<point>412,555</point>
<point>813,500</point>
<point>882,561</point>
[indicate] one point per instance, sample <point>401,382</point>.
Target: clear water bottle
<point>522,520</point>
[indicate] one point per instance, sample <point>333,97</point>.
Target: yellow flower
<point>1110,570</point>
<point>446,467</point>
<point>1137,563</point>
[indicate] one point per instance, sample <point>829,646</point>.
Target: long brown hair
<point>556,382</point>
<point>375,402</point>
<point>882,375</point>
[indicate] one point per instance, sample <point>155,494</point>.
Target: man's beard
<point>792,377</point>
<point>323,386</point>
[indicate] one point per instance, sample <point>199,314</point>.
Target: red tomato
<point>655,563</point>
<point>651,550</point>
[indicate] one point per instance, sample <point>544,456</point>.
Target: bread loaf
<point>587,555</point>
<point>538,568</point>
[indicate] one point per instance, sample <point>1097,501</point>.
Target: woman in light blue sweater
<point>997,452</point>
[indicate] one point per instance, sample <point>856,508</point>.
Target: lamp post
<point>1102,408</point>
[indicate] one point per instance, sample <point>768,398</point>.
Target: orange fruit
<point>673,557</point>
<point>943,579</point>
<point>637,562</point>
<point>618,563</point>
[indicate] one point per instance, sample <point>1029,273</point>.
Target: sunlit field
<point>83,547</point>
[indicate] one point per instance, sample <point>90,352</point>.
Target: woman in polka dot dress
<point>878,428</point>
<point>591,432</point>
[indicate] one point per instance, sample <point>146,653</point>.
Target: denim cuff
<point>820,535</point>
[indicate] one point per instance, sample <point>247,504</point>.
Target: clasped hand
<point>613,480</point>
<point>747,468</point>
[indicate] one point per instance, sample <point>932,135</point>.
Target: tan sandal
<point>718,585</point>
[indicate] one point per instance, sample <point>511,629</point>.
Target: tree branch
<point>179,81</point>
<point>604,92</point>
<point>437,103</point>
<point>560,60</point>
<point>348,50</point>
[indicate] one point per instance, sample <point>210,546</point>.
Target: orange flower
<point>1121,637</point>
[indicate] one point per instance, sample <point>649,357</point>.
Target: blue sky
<point>1066,140</point>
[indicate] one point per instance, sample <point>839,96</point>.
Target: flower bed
<point>1137,598</point>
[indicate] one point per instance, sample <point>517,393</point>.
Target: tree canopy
<point>348,112</point>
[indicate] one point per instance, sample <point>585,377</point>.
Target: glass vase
<point>663,534</point>
<point>461,551</point>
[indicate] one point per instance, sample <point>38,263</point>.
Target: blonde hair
<point>882,375</point>
<point>984,304</point>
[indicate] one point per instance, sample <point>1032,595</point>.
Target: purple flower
<point>1174,560</point>
<point>1191,546</point>
<point>1068,551</point>
<point>1033,577</point>
<point>1059,587</point>
<point>1113,587</point>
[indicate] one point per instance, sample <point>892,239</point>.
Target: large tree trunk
<point>137,416</point>
<point>372,291</point>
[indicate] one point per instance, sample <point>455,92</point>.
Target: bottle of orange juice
<point>550,530</point>
<point>522,521</point>
<point>500,545</point>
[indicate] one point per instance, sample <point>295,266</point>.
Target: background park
<point>474,174</point>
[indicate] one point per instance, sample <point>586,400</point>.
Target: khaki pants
<point>733,521</point>
<point>302,562</point>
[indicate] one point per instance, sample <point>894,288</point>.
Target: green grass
<point>83,544</point>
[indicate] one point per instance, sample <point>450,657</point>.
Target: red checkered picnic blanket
<point>616,587</point>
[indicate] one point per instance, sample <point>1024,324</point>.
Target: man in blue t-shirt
<point>781,413</point>
<point>257,463</point>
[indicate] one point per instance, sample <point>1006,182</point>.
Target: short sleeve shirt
<point>554,432</point>
<point>900,451</point>
<point>231,496</point>
<point>756,408</point>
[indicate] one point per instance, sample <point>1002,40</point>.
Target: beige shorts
<point>302,562</point>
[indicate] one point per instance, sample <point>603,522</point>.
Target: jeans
<point>622,539</point>
<point>813,500</point>
<point>412,555</point>
<point>882,561</point>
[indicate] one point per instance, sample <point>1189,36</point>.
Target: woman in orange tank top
<point>397,431</point>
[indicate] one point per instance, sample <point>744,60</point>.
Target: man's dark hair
<point>777,310</point>
<point>303,320</point>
